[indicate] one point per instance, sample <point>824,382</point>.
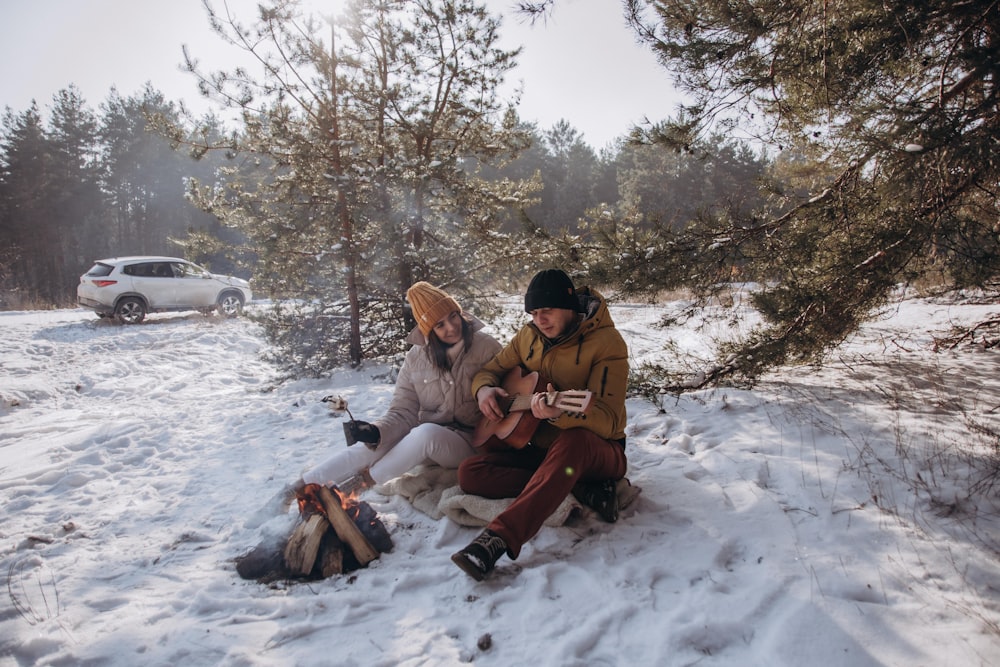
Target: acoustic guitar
<point>518,425</point>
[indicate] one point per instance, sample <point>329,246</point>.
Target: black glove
<point>359,431</point>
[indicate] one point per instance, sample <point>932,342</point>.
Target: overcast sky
<point>582,65</point>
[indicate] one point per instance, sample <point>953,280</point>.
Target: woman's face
<point>449,328</point>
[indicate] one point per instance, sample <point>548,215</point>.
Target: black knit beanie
<point>550,288</point>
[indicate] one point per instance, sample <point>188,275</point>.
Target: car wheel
<point>230,304</point>
<point>130,310</point>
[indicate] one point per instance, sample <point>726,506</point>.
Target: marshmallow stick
<point>338,404</point>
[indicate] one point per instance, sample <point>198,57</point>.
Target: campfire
<point>334,535</point>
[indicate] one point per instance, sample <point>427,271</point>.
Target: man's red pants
<point>538,479</point>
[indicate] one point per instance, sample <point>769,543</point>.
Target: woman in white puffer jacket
<point>432,413</point>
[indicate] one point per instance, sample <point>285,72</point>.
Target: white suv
<point>127,288</point>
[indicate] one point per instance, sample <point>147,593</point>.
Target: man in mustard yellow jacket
<point>572,341</point>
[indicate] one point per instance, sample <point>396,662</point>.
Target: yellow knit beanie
<point>430,305</point>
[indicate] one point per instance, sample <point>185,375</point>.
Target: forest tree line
<point>79,184</point>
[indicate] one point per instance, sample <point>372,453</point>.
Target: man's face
<point>553,322</point>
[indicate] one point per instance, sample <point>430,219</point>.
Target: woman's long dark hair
<point>438,351</point>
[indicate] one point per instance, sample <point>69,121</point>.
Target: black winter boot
<point>479,558</point>
<point>600,496</point>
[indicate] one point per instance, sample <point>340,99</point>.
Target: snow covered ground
<point>824,518</point>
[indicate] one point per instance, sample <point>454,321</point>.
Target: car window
<point>99,270</point>
<point>149,270</point>
<point>185,270</point>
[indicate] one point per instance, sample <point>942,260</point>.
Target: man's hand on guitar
<point>487,398</point>
<point>511,413</point>
<point>540,407</point>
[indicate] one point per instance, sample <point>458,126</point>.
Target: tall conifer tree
<point>899,104</point>
<point>368,129</point>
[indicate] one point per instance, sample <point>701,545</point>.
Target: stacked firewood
<point>334,535</point>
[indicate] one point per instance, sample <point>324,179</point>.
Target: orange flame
<point>309,502</point>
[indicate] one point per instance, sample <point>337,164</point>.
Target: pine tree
<point>144,176</point>
<point>358,160</point>
<point>895,103</point>
<point>648,239</point>
<point>50,199</point>
<point>569,178</point>
<point>26,163</point>
<point>76,200</point>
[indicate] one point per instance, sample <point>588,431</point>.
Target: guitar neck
<point>573,401</point>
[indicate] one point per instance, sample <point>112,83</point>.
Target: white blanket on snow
<point>434,491</point>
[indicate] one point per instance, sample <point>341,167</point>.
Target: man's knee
<point>571,443</point>
<point>580,450</point>
<point>469,474</point>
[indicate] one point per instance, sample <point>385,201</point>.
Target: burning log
<point>303,545</point>
<point>331,556</point>
<point>333,536</point>
<point>345,527</point>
